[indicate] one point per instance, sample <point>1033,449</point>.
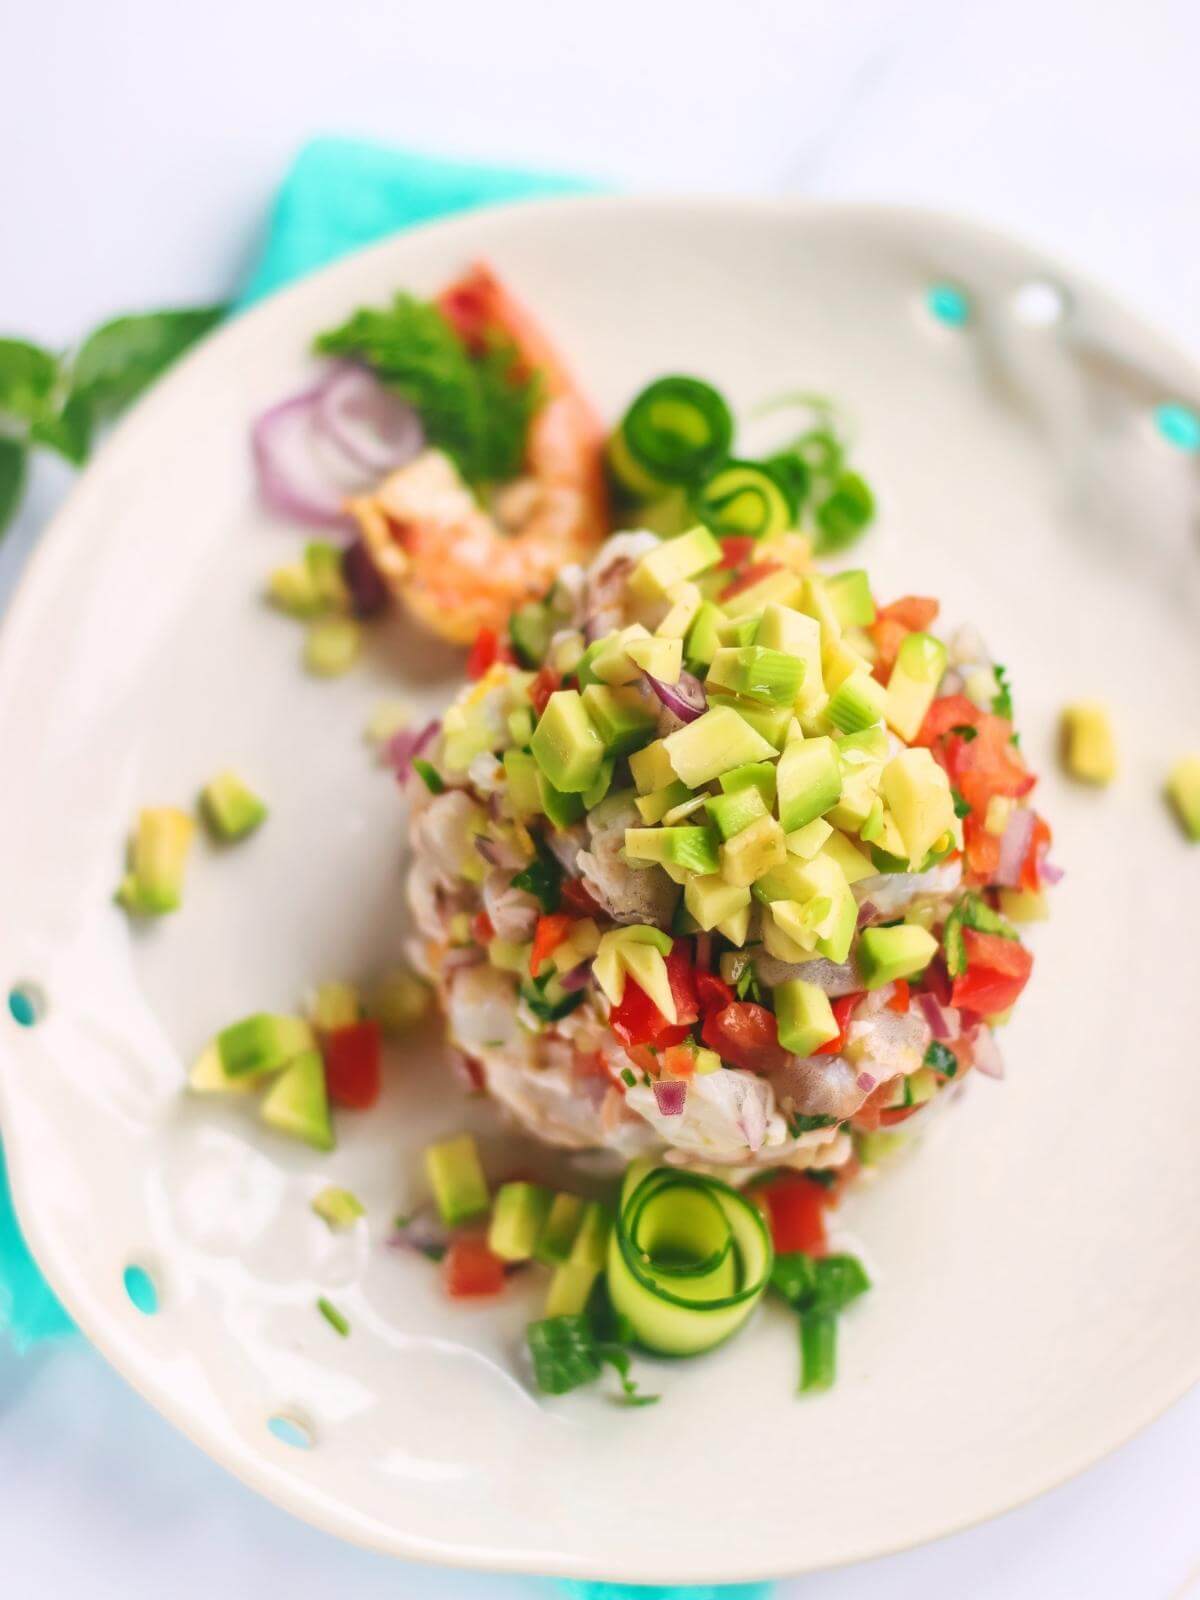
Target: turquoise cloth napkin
<point>339,195</point>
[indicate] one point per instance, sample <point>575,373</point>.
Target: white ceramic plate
<point>1037,1297</point>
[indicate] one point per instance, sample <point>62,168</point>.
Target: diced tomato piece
<point>1039,844</point>
<point>888,635</point>
<point>735,549</point>
<point>484,652</point>
<point>900,996</point>
<point>548,935</point>
<point>997,970</point>
<point>949,711</point>
<point>842,1009</point>
<point>683,984</point>
<point>981,848</point>
<point>795,1209</point>
<point>637,1020</point>
<point>470,1270</point>
<point>915,612</point>
<point>353,1065</point>
<point>745,1035</point>
<point>482,930</point>
<point>990,764</point>
<point>678,1062</point>
<point>712,992</point>
<point>542,687</point>
<point>576,895</point>
<point>762,569</point>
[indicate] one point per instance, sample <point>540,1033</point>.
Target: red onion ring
<point>944,1021</point>
<point>670,1095</point>
<point>370,425</point>
<point>1014,847</point>
<point>284,441</point>
<point>1049,873</point>
<point>685,699</point>
<point>985,1054</point>
<point>403,748</point>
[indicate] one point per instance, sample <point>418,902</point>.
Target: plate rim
<point>292,1492</point>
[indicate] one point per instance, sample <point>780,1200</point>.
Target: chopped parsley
<point>627,1077</point>
<point>428,774</point>
<point>568,1353</point>
<point>542,878</point>
<point>961,808</point>
<point>941,1058</point>
<point>476,407</point>
<point>799,1123</point>
<point>1002,703</point>
<point>965,731</point>
<point>549,1007</point>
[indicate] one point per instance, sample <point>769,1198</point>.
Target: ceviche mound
<point>717,860</point>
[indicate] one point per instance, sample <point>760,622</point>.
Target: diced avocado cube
<point>885,954</point>
<point>565,743</point>
<point>815,601</point>
<point>298,1104</point>
<point>917,793</point>
<point>759,773</point>
<point>653,807</point>
<point>784,628</point>
<point>739,632</point>
<point>706,1061</point>
<point>335,1005</point>
<point>782,587</point>
<point>795,923</point>
<point>714,743</point>
<point>920,664</point>
<point>712,900</point>
<point>323,563</point>
<point>338,1207</point>
<point>676,560</point>
<point>293,591</point>
<point>661,658</point>
<point>839,928</point>
<point>566,653</point>
<point>753,851</point>
<point>685,809</point>
<point>530,628</point>
<point>518,1216</point>
<point>1024,905</point>
<point>332,646</point>
<point>610,661</point>
<point>620,716</point>
<point>593,796</point>
<point>808,780</point>
<point>590,1248</point>
<point>733,812</point>
<point>686,601</point>
<point>771,722</point>
<point>584,669</point>
<point>562,810</point>
<point>208,1076</point>
<point>1183,790</point>
<point>850,859</point>
<point>397,1001</point>
<point>703,638</point>
<point>838,661</point>
<point>862,756</point>
<point>230,808</point>
<point>263,1043</point>
<point>456,1178</point>
<point>772,676</point>
<point>520,725</point>
<point>694,849</point>
<point>735,928</point>
<point>781,945</point>
<point>1089,750</point>
<point>651,768</point>
<point>783,882</point>
<point>805,1017</point>
<point>857,704</point>
<point>850,596</point>
<point>561,1228</point>
<point>570,1290</point>
<point>825,911</point>
<point>521,773</point>
<point>806,842</point>
<point>157,856</point>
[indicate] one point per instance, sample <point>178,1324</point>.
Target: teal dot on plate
<point>139,1286</point>
<point>1179,426</point>
<point>289,1431</point>
<point>25,1004</point>
<point>949,304</point>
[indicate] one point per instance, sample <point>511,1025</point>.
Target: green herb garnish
<point>428,774</point>
<point>627,1077</point>
<point>965,731</point>
<point>818,1350</point>
<point>474,407</point>
<point>542,878</point>
<point>800,1123</point>
<point>961,808</point>
<point>567,1354</point>
<point>1002,703</point>
<point>818,1289</point>
<point>941,1058</point>
<point>333,1317</point>
<point>545,1009</point>
<point>746,987</point>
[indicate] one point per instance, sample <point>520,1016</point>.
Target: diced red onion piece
<point>943,1021</point>
<point>865,1082</point>
<point>685,699</point>
<point>1049,873</point>
<point>986,1055</point>
<point>368,592</point>
<point>424,1233</point>
<point>867,912</point>
<point>372,426</point>
<point>404,747</point>
<point>295,477</point>
<point>670,1095</point>
<point>578,978</point>
<point>1014,847</point>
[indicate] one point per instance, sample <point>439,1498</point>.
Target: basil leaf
<point>794,1276</point>
<point>122,358</point>
<point>567,1354</point>
<point>28,377</point>
<point>70,432</point>
<point>12,478</point>
<point>839,1280</point>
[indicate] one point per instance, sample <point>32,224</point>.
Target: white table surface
<point>143,141</point>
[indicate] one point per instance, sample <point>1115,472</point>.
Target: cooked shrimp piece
<point>460,566</point>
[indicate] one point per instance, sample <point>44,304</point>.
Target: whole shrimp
<point>460,566</point>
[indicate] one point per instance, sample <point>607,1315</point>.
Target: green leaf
<point>542,878</point>
<point>69,432</point>
<point>124,357</point>
<point>28,377</point>
<point>941,1058</point>
<point>794,1276</point>
<point>12,478</point>
<point>567,1353</point>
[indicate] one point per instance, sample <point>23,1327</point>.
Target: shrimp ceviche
<point>719,859</point>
